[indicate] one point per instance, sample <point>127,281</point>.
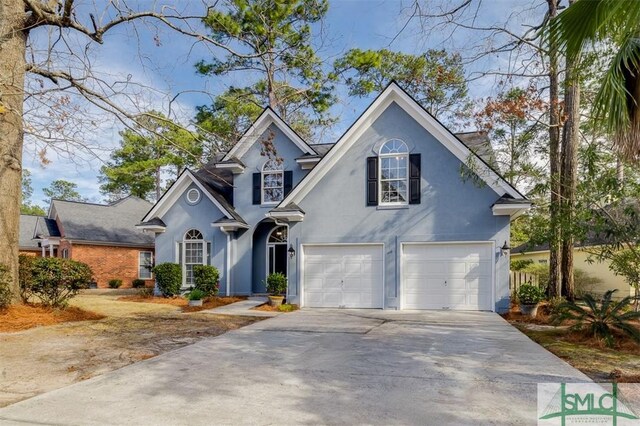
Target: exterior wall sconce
<point>291,251</point>
<point>505,249</point>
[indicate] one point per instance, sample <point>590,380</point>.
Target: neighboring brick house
<point>28,245</point>
<point>103,236</point>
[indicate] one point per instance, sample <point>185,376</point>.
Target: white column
<point>44,253</point>
<point>50,250</point>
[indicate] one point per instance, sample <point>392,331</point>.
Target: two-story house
<point>399,213</point>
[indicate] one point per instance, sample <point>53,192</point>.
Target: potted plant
<point>276,287</point>
<point>529,297</point>
<point>195,297</point>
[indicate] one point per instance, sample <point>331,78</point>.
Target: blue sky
<point>365,24</point>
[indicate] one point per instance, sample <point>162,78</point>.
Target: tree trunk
<point>569,173</point>
<point>554,163</point>
<point>12,70</point>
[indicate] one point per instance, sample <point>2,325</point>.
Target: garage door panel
<point>351,276</point>
<point>465,267</point>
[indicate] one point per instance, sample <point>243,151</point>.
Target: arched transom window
<point>272,182</point>
<point>278,235</point>
<point>394,172</point>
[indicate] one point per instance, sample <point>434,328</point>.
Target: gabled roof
<point>256,130</point>
<point>184,180</point>
<point>28,225</point>
<point>104,223</point>
<point>395,94</point>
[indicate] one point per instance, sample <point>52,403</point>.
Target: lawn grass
<point>181,302</point>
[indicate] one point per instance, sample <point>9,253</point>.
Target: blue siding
<point>451,209</point>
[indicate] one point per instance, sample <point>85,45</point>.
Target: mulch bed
<point>181,302</point>
<point>23,317</point>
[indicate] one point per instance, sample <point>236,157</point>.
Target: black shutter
<point>414,179</point>
<point>372,181</point>
<point>288,182</point>
<point>257,196</point>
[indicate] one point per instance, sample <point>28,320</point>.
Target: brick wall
<point>107,263</point>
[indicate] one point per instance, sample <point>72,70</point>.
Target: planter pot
<point>529,310</point>
<point>276,300</point>
<point>195,302</point>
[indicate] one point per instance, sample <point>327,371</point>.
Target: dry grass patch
<point>282,308</point>
<point>23,317</point>
<point>181,302</point>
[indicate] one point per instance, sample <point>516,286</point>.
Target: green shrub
<point>168,278</point>
<point>601,317</point>
<point>115,283</point>
<point>288,307</point>
<point>54,281</point>
<point>529,294</point>
<point>276,283</point>
<point>205,278</point>
<point>25,276</point>
<point>137,283</point>
<point>541,270</point>
<point>5,286</point>
<point>520,264</point>
<point>196,294</point>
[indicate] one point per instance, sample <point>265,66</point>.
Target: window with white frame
<point>272,182</point>
<point>394,172</point>
<point>145,265</point>
<point>193,253</point>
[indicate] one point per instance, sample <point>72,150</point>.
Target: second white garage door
<point>447,276</point>
<point>343,276</point>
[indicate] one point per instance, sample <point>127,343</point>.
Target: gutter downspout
<point>228,263</point>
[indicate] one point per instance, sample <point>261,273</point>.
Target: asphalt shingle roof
<point>27,229</point>
<point>109,223</point>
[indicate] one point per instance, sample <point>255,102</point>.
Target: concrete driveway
<point>323,367</point>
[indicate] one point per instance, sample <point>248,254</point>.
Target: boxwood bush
<point>138,283</point>
<point>276,284</point>
<point>168,278</point>
<point>115,283</point>
<point>530,294</point>
<point>206,278</point>
<point>53,281</point>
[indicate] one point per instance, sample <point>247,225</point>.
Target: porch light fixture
<point>291,251</point>
<point>505,249</point>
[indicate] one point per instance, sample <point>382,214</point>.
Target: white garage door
<point>342,276</point>
<point>447,276</point>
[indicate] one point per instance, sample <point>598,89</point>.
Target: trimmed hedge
<point>168,278</point>
<point>205,278</point>
<point>138,283</point>
<point>115,283</point>
<point>53,281</point>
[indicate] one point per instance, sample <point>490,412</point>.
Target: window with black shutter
<point>372,181</point>
<point>414,178</point>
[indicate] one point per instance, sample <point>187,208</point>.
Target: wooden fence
<point>517,278</point>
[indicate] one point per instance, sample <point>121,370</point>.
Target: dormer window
<point>394,175</point>
<point>272,182</point>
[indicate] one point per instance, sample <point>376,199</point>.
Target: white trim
<point>513,210</point>
<point>493,266</point>
<point>152,228</point>
<point>296,216</point>
<point>406,179</point>
<point>205,252</point>
<point>393,94</point>
<point>307,163</point>
<point>256,130</point>
<point>230,226</point>
<point>193,191</point>
<point>139,265</point>
<point>301,272</point>
<point>234,167</point>
<point>263,173</point>
<point>172,195</point>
